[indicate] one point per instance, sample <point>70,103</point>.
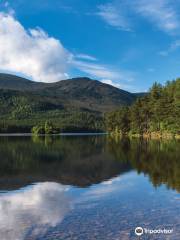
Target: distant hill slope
<point>8,81</point>
<point>80,93</point>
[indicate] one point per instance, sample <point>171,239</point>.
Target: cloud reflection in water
<point>31,211</point>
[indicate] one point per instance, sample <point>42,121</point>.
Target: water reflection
<point>100,186</point>
<point>82,161</point>
<point>157,159</point>
<point>79,161</point>
<point>30,212</point>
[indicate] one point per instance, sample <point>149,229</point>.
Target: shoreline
<point>152,135</point>
<point>55,134</point>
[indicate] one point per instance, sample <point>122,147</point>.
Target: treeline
<point>157,112</point>
<point>51,122</point>
<point>79,122</point>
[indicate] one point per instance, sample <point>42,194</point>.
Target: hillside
<point>78,92</point>
<point>8,81</point>
<point>73,103</point>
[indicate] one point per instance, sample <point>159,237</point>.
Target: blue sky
<point>129,44</point>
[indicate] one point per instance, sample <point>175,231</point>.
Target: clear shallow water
<point>90,187</point>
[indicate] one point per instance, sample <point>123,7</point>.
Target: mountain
<point>77,92</point>
<point>77,103</point>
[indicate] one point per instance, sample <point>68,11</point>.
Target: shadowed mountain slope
<point>81,93</point>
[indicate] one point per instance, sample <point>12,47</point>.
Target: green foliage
<point>37,130</point>
<point>159,111</point>
<point>21,112</point>
<point>22,108</point>
<point>48,128</point>
<point>118,121</point>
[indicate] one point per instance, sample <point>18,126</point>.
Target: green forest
<point>24,112</point>
<point>51,111</point>
<point>157,113</point>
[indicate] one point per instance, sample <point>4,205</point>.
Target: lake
<point>88,187</point>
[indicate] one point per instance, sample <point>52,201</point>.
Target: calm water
<point>88,187</point>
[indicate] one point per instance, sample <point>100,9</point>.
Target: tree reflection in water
<point>82,161</point>
<point>157,159</point>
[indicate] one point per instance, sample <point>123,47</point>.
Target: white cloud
<point>173,47</point>
<point>110,82</point>
<point>96,70</point>
<point>161,13</point>
<point>108,75</point>
<point>31,52</point>
<point>113,16</point>
<point>86,57</point>
<point>31,211</point>
<point>123,86</point>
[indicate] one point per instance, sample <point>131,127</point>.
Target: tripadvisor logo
<point>139,231</point>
